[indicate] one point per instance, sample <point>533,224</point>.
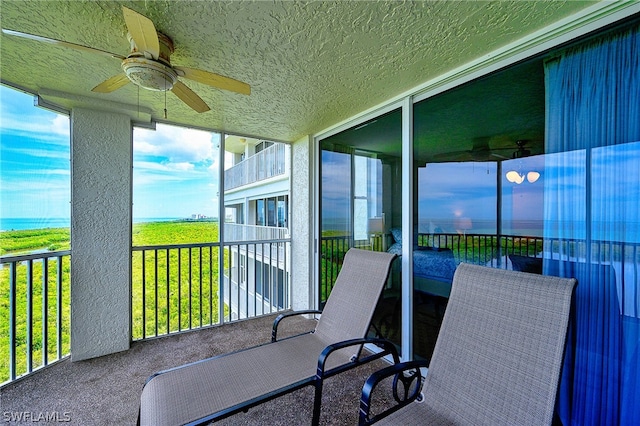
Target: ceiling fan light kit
<point>518,178</point>
<point>149,74</point>
<point>148,64</point>
<point>533,177</point>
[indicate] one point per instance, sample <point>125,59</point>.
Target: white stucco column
<point>302,282</point>
<point>101,165</point>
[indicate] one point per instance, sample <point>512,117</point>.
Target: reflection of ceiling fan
<point>481,151</point>
<point>148,65</point>
<point>522,151</point>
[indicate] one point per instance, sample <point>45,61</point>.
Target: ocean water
<point>22,223</point>
<point>530,228</point>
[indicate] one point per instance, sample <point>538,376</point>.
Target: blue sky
<point>174,172</point>
<point>34,159</point>
<point>450,194</point>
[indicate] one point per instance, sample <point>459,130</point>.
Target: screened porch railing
<point>175,288</point>
<point>35,317</point>
<point>485,249</point>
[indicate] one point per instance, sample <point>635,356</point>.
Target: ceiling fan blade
<point>471,155</point>
<point>189,97</point>
<point>111,84</point>
<point>142,31</point>
<point>61,43</point>
<point>215,80</point>
<point>481,143</point>
<point>502,157</point>
<point>452,157</point>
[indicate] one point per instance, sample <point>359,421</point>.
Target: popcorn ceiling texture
<point>310,64</point>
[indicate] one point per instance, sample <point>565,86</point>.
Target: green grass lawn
<point>200,309</point>
<point>18,242</point>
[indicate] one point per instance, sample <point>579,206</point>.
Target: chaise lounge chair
<point>497,358</point>
<point>220,386</point>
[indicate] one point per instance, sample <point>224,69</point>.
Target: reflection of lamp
<point>463,224</point>
<point>517,177</point>
<point>375,226</point>
<point>533,176</point>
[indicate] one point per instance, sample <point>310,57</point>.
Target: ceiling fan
<point>148,65</point>
<point>481,151</point>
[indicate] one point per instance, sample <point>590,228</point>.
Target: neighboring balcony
<point>239,232</point>
<point>258,281</point>
<point>266,164</point>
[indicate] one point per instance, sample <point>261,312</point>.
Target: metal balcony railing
<point>257,281</point>
<point>239,232</point>
<point>173,288</point>
<point>35,297</point>
<point>266,164</point>
<point>491,250</point>
<point>176,288</point>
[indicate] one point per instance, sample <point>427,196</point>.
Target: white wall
<point>302,211</point>
<point>101,163</point>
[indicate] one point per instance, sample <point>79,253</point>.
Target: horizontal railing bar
<point>34,256</point>
<point>523,237</point>
<point>174,246</point>
<point>256,242</point>
<point>215,244</point>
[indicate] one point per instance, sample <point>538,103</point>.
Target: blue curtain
<point>592,222</point>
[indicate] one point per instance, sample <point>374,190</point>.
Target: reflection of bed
<point>433,271</point>
<point>432,268</point>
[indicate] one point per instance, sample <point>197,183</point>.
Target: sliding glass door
<point>360,198</point>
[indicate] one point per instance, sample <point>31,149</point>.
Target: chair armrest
<point>279,318</point>
<point>387,347</point>
<point>407,374</point>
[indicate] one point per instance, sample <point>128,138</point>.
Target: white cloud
<point>60,125</point>
<point>143,147</point>
<point>40,153</point>
<point>177,144</point>
<point>19,116</point>
<point>184,166</point>
<point>25,184</point>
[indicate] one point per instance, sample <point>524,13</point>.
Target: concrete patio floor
<point>106,390</point>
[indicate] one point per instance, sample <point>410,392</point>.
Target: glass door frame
<point>406,107</point>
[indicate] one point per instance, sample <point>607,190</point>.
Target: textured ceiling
<point>310,64</point>
<point>495,111</point>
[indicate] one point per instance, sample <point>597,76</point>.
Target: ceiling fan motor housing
<point>522,151</point>
<point>145,71</point>
<point>150,74</point>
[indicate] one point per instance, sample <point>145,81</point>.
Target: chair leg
<point>317,403</point>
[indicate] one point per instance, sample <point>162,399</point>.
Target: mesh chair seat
<point>216,387</point>
<point>499,353</point>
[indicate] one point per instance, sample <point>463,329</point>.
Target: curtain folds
<point>592,213</point>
